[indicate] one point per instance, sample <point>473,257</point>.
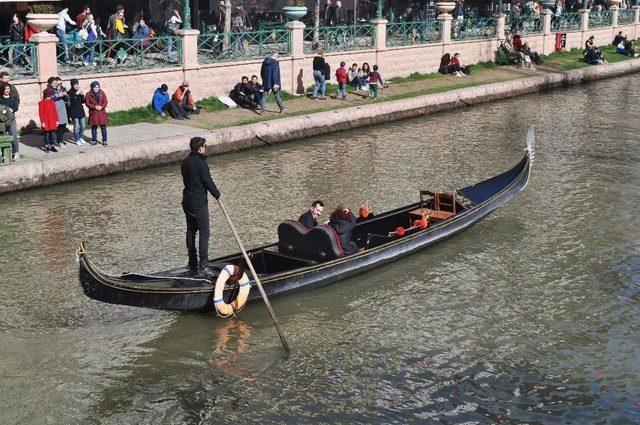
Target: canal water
<point>531,316</point>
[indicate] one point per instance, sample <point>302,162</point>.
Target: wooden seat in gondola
<point>444,206</point>
<point>422,211</point>
<point>318,244</point>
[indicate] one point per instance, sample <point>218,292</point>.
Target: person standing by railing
<point>91,29</point>
<point>61,29</point>
<point>237,27</point>
<point>82,16</point>
<point>172,25</point>
<point>76,111</point>
<point>16,35</point>
<point>96,101</point>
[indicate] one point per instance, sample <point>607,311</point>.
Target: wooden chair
<point>422,211</point>
<point>444,206</point>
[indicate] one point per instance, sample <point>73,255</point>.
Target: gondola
<point>303,259</point>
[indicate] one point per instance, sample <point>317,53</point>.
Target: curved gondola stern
<point>531,151</point>
<point>88,273</point>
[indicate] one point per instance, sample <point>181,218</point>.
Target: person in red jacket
<point>341,77</point>
<point>96,101</point>
<point>48,120</point>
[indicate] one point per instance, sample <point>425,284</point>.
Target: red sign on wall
<point>561,41</point>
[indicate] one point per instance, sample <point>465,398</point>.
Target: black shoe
<point>93,142</point>
<point>47,149</point>
<point>206,271</point>
<point>104,143</point>
<point>53,149</point>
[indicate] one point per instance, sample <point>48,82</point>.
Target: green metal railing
<point>241,46</point>
<point>21,59</point>
<point>523,24</point>
<point>626,17</point>
<point>339,38</point>
<point>566,22</point>
<point>410,33</point>
<point>474,28</point>
<point>602,18</point>
<point>97,56</point>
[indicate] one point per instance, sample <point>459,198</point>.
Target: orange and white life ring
<point>222,308</point>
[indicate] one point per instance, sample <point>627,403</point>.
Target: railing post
<point>546,21</point>
<point>189,48</point>
<point>297,38</point>
<point>636,19</point>
<point>584,24</point>
<point>46,53</point>
<point>380,26</point>
<point>500,25</point>
<point>615,12</point>
<point>445,21</point>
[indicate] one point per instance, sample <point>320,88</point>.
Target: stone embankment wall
<point>131,89</point>
<point>120,159</point>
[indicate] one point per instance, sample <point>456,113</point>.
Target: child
<point>96,101</point>
<point>375,80</point>
<point>48,120</point>
<point>341,77</point>
<point>76,111</point>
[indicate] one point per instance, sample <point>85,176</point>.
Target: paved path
<point>31,144</point>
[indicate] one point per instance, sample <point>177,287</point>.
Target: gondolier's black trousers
<point>197,222</point>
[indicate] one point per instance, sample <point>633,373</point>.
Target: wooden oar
<point>256,278</point>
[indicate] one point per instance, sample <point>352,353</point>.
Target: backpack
<point>327,72</point>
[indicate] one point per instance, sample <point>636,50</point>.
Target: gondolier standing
<point>197,182</point>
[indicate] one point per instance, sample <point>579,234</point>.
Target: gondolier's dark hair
<point>196,143</point>
<point>317,202</point>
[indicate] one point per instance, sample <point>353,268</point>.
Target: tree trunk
<point>316,21</point>
<point>227,24</point>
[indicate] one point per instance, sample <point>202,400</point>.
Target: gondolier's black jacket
<point>197,181</point>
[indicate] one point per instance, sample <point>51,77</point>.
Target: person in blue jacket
<point>162,103</point>
<point>270,73</point>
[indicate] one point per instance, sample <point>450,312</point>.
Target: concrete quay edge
<point>120,159</point>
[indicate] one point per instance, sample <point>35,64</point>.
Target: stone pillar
<point>189,48</point>
<point>297,38</point>
<point>500,25</point>
<point>636,9</point>
<point>615,12</point>
<point>546,21</point>
<point>445,22</point>
<point>297,82</point>
<point>381,33</point>
<point>46,51</point>
<point>584,25</point>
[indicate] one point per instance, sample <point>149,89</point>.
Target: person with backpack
<point>318,76</point>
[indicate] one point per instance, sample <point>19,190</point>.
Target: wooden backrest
<point>425,192</point>
<point>445,202</point>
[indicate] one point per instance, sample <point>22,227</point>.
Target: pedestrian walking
<point>270,73</point>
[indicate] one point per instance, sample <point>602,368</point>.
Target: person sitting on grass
<point>630,47</point>
<point>619,38</point>
<point>588,45</point>
<point>535,56</point>
<point>243,94</point>
<point>354,77</point>
<point>444,64</point>
<point>595,57</point>
<point>183,97</point>
<point>375,81</point>
<point>256,89</point>
<point>163,104</point>
<point>456,68</point>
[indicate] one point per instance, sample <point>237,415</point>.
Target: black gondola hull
<point>141,293</point>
